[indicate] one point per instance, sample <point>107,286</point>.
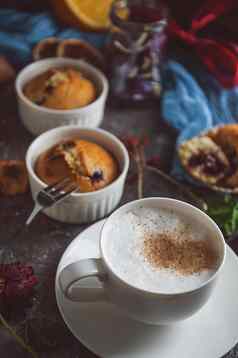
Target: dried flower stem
<point>19,340</point>
<point>200,202</point>
<point>140,183</point>
<point>140,170</point>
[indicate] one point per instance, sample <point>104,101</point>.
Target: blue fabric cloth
<point>193,102</point>
<point>20,31</point>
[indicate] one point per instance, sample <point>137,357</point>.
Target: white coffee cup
<point>146,306</point>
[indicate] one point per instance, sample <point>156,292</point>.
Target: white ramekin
<point>39,119</point>
<point>80,207</point>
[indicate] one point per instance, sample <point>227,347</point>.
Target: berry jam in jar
<point>136,49</point>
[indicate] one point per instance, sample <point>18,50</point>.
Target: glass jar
<point>136,49</point>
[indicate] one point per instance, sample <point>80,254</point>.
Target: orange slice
<point>90,14</point>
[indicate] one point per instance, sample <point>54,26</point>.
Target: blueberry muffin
<point>212,157</point>
<point>61,88</point>
<point>203,159</point>
<point>88,164</point>
<point>226,137</point>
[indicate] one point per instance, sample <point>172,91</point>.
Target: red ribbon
<point>220,57</point>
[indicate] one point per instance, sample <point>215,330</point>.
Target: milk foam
<point>125,255</point>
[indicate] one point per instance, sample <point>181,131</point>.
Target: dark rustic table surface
<point>46,240</point>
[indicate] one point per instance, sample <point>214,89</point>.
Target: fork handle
<point>35,211</point>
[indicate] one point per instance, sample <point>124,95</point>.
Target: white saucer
<point>210,333</point>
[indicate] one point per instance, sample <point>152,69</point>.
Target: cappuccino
<point>159,250</point>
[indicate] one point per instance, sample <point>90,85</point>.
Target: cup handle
<point>78,271</point>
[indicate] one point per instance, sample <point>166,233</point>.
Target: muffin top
<point>212,157</point>
<point>87,164</point>
<point>61,88</point>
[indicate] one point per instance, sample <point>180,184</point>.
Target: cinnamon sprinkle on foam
<point>184,255</point>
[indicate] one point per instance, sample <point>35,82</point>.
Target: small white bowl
<point>80,207</point>
<point>38,119</point>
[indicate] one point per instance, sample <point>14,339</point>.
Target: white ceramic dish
<point>210,333</point>
<point>38,119</point>
<point>81,207</point>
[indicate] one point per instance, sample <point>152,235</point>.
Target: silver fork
<point>51,195</point>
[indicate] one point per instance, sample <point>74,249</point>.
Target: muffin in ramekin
<point>82,207</point>
<point>61,88</point>
<point>85,110</point>
<point>89,166</point>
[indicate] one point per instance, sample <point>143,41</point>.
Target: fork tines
<point>60,189</point>
<point>51,195</point>
<point>59,185</point>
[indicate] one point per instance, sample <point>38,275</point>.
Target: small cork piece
<point>184,255</point>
